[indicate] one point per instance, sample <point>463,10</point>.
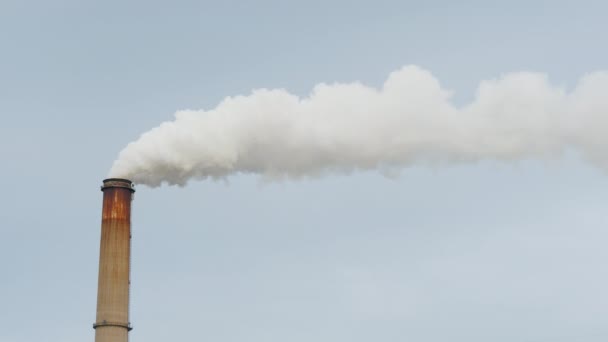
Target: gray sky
<point>484,252</point>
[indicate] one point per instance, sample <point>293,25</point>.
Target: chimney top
<point>118,183</point>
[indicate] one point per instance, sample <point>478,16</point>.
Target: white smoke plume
<point>348,127</point>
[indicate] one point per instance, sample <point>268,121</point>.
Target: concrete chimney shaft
<point>112,322</point>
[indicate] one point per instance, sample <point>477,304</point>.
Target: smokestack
<point>112,322</point>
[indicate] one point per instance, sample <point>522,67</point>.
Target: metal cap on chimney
<point>118,183</point>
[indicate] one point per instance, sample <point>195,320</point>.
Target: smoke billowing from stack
<point>112,322</point>
<point>348,127</point>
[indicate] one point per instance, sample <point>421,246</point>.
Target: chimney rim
<point>118,183</point>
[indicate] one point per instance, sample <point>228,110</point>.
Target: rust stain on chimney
<point>112,322</point>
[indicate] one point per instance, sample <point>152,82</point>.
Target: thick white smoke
<point>346,127</point>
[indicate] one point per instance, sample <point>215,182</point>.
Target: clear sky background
<point>484,252</point>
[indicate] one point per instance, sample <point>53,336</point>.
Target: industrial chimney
<point>112,322</point>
